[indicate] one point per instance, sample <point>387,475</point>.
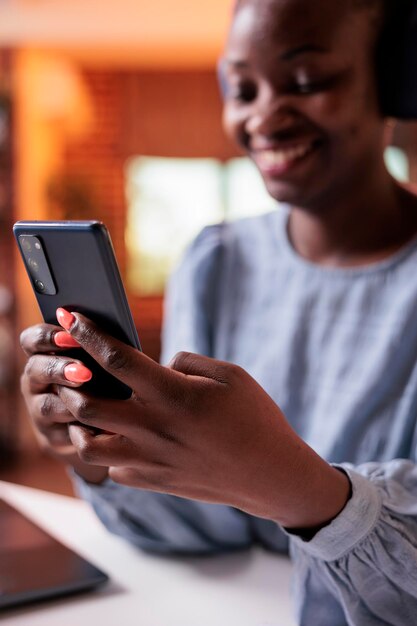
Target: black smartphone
<point>71,264</point>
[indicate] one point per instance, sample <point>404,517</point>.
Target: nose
<point>269,115</point>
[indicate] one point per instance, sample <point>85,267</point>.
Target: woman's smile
<point>276,161</point>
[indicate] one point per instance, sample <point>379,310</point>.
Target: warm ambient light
<point>60,96</point>
<point>161,32</point>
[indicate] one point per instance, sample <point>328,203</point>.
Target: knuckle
<point>40,338</point>
<point>167,436</point>
<point>115,359</point>
<point>230,373</point>
<point>29,338</point>
<point>181,360</point>
<point>87,450</point>
<point>84,410</point>
<point>51,368</point>
<point>83,330</point>
<point>46,405</point>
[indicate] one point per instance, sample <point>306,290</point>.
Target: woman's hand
<point>45,369</point>
<point>200,429</point>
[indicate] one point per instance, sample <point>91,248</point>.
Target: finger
<point>155,477</point>
<point>200,366</point>
<point>56,435</point>
<point>102,449</point>
<point>125,417</point>
<point>48,409</point>
<point>128,364</point>
<point>38,339</point>
<point>43,370</point>
<point>41,339</point>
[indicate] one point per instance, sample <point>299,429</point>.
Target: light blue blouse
<point>337,350</point>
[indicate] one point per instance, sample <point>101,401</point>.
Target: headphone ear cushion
<point>397,62</point>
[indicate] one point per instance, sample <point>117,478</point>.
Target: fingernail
<point>77,373</point>
<point>65,318</point>
<point>64,340</point>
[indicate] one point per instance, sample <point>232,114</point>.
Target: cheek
<point>233,124</point>
<point>331,111</point>
<point>346,119</point>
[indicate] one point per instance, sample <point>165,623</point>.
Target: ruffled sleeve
<point>361,570</point>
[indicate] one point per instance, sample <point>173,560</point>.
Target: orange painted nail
<point>65,318</point>
<point>77,373</point>
<point>64,340</point>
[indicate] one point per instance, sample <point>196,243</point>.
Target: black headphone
<point>397,62</point>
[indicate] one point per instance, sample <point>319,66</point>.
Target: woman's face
<point>301,96</point>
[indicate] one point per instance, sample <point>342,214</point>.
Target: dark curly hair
<point>396,57</point>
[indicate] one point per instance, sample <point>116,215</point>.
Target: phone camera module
<point>36,263</point>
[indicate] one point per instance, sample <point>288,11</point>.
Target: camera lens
<point>34,265</point>
<point>40,285</point>
<point>26,245</point>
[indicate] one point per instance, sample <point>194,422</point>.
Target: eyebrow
<point>289,55</point>
<point>304,49</point>
<point>232,62</point>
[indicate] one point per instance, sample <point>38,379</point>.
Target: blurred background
<point>110,110</point>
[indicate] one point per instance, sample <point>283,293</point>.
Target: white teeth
<point>282,157</point>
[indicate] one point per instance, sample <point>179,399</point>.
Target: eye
<point>306,88</point>
<point>242,92</point>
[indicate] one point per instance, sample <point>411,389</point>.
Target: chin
<point>302,197</point>
<point>285,193</point>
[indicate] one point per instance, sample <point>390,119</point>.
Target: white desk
<point>248,589</point>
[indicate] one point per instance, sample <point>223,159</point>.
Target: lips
<point>276,161</point>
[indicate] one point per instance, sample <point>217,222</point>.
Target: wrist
<point>329,490</point>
